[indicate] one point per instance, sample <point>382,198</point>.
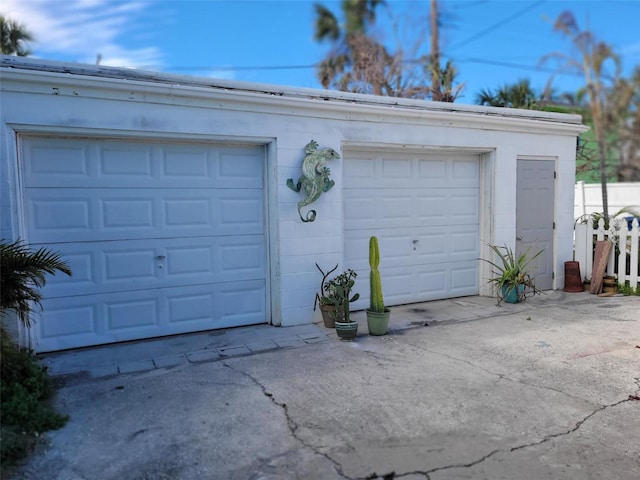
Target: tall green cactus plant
<point>377,302</point>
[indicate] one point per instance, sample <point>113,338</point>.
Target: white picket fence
<point>624,258</point>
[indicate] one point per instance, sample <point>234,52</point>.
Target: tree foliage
<point>611,105</point>
<point>516,95</point>
<point>625,99</point>
<point>13,36</point>
<point>360,62</point>
<point>600,67</point>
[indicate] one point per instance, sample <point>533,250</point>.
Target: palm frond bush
<point>22,273</point>
<point>510,272</point>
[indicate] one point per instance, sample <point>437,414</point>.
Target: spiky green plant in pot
<point>377,314</point>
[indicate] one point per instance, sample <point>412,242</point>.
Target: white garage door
<point>424,211</point>
<point>162,238</point>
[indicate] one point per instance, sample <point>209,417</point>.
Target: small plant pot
<point>511,294</point>
<point>328,315</point>
<point>347,331</point>
<point>378,323</point>
<point>572,277</point>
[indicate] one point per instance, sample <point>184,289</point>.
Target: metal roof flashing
<point>570,122</point>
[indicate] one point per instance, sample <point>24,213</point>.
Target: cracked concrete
<point>546,389</point>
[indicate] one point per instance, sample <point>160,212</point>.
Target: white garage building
<point>168,197</point>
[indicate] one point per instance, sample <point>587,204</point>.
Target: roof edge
<point>9,61</point>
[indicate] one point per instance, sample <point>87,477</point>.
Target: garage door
<point>424,211</point>
<point>162,238</point>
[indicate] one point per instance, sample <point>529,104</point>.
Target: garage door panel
<point>397,286</point>
<point>411,246</point>
<point>132,314</point>
<point>189,308</point>
<point>73,162</point>
<point>422,283</point>
<point>430,169</point>
<point>58,319</point>
<point>465,170</point>
<point>47,161</point>
<point>130,265</point>
<point>122,161</point>
<point>241,304</point>
<point>432,283</point>
<point>462,205</point>
<point>396,169</point>
<point>64,215</point>
<point>389,208</point>
<point>424,211</point>
<point>406,171</point>
<point>71,322</point>
<point>360,170</point>
<point>162,237</point>
<point>57,215</point>
<point>464,279</point>
<point>463,243</point>
<point>104,267</point>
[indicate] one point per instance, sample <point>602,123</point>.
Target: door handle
<point>161,257</point>
<point>415,241</point>
<point>519,238</point>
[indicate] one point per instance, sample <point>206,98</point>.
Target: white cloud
<point>79,30</point>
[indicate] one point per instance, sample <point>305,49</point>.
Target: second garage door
<point>163,238</point>
<point>424,210</point>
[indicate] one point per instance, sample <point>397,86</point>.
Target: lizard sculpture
<point>315,177</point>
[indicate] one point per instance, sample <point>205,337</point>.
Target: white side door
<point>534,216</point>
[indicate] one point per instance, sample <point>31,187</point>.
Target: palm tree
<point>517,95</point>
<point>443,79</point>
<point>13,35</point>
<point>592,59</point>
<point>22,273</point>
<point>339,67</point>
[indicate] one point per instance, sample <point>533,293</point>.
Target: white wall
<point>285,121</point>
<point>588,197</point>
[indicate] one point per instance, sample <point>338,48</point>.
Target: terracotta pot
<point>328,315</point>
<point>572,278</point>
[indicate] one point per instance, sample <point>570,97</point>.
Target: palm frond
<point>23,273</point>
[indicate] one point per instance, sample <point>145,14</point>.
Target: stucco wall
<point>45,102</point>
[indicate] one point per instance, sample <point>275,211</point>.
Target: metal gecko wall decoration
<point>315,177</point>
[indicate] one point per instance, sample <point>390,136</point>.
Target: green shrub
<point>626,289</point>
<point>24,385</point>
<point>25,388</point>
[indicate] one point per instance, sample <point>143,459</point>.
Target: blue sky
<point>491,42</point>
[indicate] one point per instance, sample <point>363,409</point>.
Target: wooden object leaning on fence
<point>600,260</point>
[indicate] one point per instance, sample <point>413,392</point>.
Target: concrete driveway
<point>459,389</point>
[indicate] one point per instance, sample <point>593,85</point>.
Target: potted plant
<point>325,300</point>
<point>511,278</point>
<point>377,314</point>
<point>338,291</point>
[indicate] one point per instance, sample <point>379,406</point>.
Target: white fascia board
<point>149,87</point>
